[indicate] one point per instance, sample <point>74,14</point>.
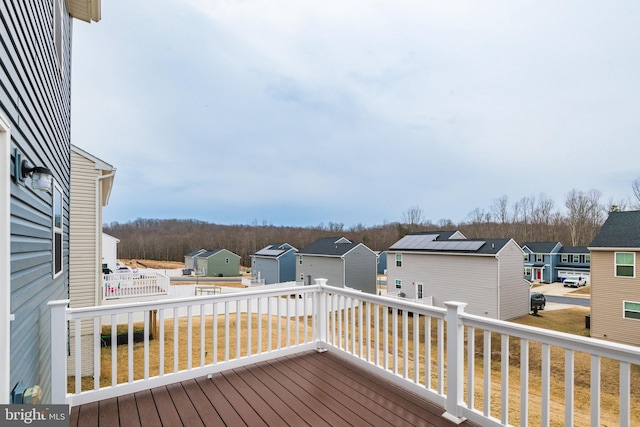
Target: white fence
<point>475,367</point>
<point>133,285</point>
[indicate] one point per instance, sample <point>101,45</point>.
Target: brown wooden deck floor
<point>309,389</point>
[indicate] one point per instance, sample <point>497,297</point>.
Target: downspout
<point>97,279</point>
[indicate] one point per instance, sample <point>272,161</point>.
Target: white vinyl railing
<point>475,367</point>
<point>133,285</point>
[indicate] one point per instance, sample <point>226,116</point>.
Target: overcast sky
<point>295,112</point>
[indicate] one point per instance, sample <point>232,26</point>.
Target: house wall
<point>607,295</point>
<point>288,266</point>
<point>109,251</point>
<point>266,268</point>
<point>35,102</point>
<point>321,267</point>
<point>360,269</point>
<point>216,265</point>
<point>463,278</point>
<point>513,290</point>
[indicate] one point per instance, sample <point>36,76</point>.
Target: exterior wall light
<point>41,177</point>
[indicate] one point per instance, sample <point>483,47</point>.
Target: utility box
<point>587,321</point>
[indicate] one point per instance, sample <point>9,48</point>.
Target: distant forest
<point>529,219</point>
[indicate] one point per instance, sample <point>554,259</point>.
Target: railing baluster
<point>353,326</point>
<point>568,387</point>
<point>504,385</point>
<point>269,320</point>
<point>146,344</point>
<point>129,346</point>
<point>385,337</point>
<point>78,350</point>
<point>394,339</point>
<point>440,323</point>
<point>279,325</point>
<point>471,366</point>
<point>595,390</point>
<point>176,357</point>
<point>114,350</point>
<point>189,337</point>
<point>524,382</point>
<point>161,361</point>
<point>487,373</point>
<point>97,350</point>
<point>405,344</point>
<point>226,331</point>
<point>249,326</point>
<point>360,330</point>
<point>214,323</point>
<point>625,394</point>
<point>416,348</point>
<point>427,353</point>
<point>259,325</point>
<point>202,334</point>
<point>376,334</point>
<point>368,326</point>
<point>238,328</point>
<point>297,321</point>
<point>546,384</point>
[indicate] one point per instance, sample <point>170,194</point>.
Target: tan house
<point>440,266</point>
<point>91,183</point>
<point>615,283</point>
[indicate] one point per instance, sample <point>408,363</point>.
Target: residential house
<point>342,262</point>
<point>382,262</point>
<point>190,259</point>
<point>540,261</point>
<point>615,279</point>
<point>573,261</point>
<point>436,267</point>
<point>275,263</point>
<point>109,252</point>
<point>218,263</point>
<point>35,129</point>
<point>91,183</point>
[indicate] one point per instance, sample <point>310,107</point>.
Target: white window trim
<point>615,265</point>
<point>398,258</point>
<point>541,257</point>
<point>624,310</point>
<point>5,256</point>
<point>398,283</point>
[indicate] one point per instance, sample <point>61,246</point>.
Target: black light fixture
<point>41,177</point>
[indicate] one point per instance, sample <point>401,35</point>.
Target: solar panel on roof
<point>414,241</point>
<point>269,252</point>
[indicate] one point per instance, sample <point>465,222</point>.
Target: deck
<point>310,388</point>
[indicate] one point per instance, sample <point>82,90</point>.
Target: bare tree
<point>585,215</point>
<point>499,209</point>
<point>635,186</point>
<point>413,217</point>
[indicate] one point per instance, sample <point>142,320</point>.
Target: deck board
<point>313,389</point>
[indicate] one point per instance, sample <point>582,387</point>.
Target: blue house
<point>35,171</point>
<point>540,261</point>
<point>275,263</point>
<point>382,262</point>
<point>574,261</point>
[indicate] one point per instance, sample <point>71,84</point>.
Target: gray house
<point>275,263</point>
<point>190,259</point>
<point>436,267</point>
<point>35,147</point>
<point>340,261</point>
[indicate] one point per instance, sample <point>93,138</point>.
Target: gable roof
<point>194,253</point>
<point>274,250</point>
<point>620,230</point>
<point>333,246</point>
<point>541,247</point>
<point>207,254</point>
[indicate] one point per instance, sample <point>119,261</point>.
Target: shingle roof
<point>540,247</point>
<point>574,250</point>
<point>620,230</point>
<point>194,253</point>
<point>424,242</point>
<point>329,246</point>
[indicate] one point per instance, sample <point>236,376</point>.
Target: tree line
<point>534,218</point>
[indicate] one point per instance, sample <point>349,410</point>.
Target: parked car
<point>538,301</point>
<point>574,282</point>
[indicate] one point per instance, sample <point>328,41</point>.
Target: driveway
<point>557,289</point>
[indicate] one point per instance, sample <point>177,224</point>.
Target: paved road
<point>583,302</point>
<point>203,279</point>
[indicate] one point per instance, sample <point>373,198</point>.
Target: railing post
<point>320,308</point>
<point>455,362</point>
<point>59,351</point>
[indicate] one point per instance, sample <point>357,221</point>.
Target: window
<point>631,310</point>
<point>581,259</point>
<point>302,277</point>
<point>419,290</point>
<point>57,230</point>
<point>526,257</point>
<point>625,264</point>
<point>587,259</point>
<point>226,260</point>
<point>398,284</point>
<point>300,260</point>
<point>564,258</point>
<point>527,271</point>
<point>539,258</point>
<point>398,260</point>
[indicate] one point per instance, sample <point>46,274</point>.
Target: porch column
<point>320,308</point>
<point>455,362</point>
<point>58,351</point>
